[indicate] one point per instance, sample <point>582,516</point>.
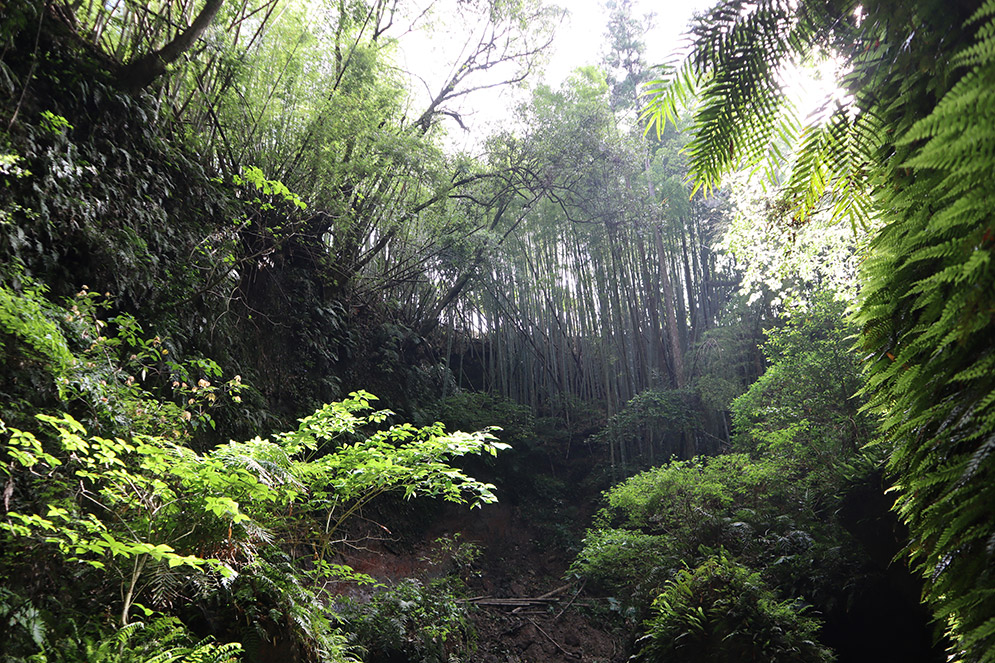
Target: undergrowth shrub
<point>35,636</point>
<point>96,525</point>
<point>421,621</point>
<point>275,602</point>
<point>535,473</point>
<point>103,368</point>
<point>721,612</point>
<point>772,510</point>
<point>160,639</point>
<point>759,510</point>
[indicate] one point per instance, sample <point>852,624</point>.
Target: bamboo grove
<point>574,303</point>
<point>592,276</point>
<point>565,262</point>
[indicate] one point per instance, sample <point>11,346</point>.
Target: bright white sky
<point>580,40</point>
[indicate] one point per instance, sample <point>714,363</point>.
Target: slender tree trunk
<point>689,286</point>
<point>673,336</point>
<point>142,71</point>
<point>655,354</point>
<point>677,355</point>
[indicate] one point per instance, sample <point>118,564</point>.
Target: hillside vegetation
<point>724,421</point>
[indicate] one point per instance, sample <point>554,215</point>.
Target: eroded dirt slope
<point>525,610</point>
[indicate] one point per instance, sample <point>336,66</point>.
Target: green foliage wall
<point>131,514</point>
<point>928,320</point>
<point>912,147</point>
<point>766,512</point>
<point>422,621</point>
<point>655,426</point>
<point>99,191</point>
<point>787,507</point>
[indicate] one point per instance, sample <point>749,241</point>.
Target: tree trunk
<point>668,303</point>
<point>142,71</point>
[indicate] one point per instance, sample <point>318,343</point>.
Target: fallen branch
<point>558,590</point>
<point>524,602</point>
<point>518,603</point>
<point>571,601</point>
<point>550,638</point>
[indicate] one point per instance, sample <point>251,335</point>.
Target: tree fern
<point>733,78</point>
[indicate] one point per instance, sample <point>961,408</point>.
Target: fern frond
<point>931,295</point>
<point>734,70</point>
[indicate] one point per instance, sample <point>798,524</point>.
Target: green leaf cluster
<point>28,317</point>
<point>763,520</point>
<point>157,489</point>
<point>36,637</point>
<point>102,367</point>
<point>424,621</point>
<point>276,601</point>
<point>721,612</point>
<point>805,406</point>
<point>160,639</point>
<point>732,79</point>
<point>655,425</point>
<point>144,506</point>
<point>758,510</point>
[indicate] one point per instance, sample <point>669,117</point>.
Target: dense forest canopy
<point>725,369</point>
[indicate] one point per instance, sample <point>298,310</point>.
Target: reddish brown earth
<point>566,625</point>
